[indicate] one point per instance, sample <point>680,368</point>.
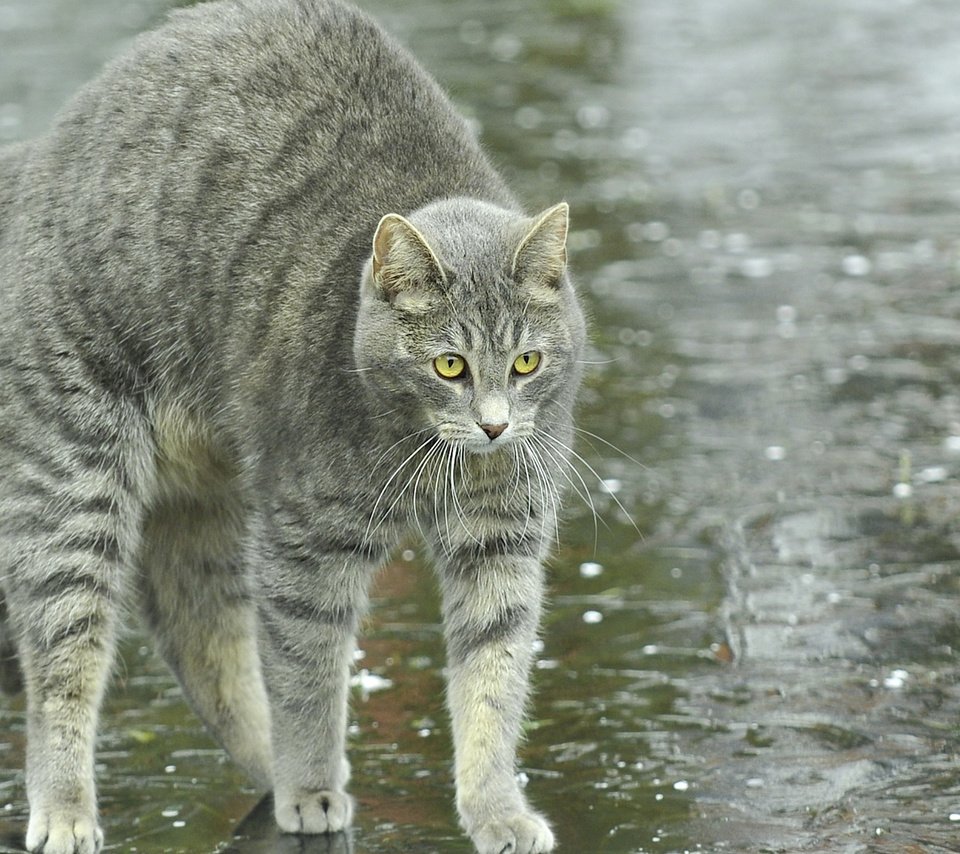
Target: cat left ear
<point>402,259</point>
<point>541,256</point>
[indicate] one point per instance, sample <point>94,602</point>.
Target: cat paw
<point>63,834</point>
<point>313,811</point>
<point>525,833</point>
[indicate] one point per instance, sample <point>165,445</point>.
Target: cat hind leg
<point>197,604</point>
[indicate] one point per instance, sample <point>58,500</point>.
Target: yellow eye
<point>527,363</point>
<point>449,366</point>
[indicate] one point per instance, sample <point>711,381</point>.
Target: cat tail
<point>10,676</point>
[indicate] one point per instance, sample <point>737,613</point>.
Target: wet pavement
<point>764,203</point>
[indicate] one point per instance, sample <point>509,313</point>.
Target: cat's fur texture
<point>225,275</point>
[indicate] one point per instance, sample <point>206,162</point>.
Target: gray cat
<point>265,309</point>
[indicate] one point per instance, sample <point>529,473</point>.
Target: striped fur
<point>217,412</point>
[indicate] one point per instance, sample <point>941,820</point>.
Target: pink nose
<point>493,430</point>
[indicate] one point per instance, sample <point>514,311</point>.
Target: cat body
<point>266,308</point>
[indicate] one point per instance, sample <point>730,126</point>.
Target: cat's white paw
<point>525,833</point>
<point>317,811</point>
<point>63,833</point>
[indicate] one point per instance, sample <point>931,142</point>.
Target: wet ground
<point>764,201</point>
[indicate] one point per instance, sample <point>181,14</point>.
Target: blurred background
<point>764,203</point>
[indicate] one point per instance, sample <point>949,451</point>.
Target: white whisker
<point>565,449</point>
<point>457,506</point>
<point>371,527</point>
<point>433,453</point>
<point>610,445</point>
<point>564,466</point>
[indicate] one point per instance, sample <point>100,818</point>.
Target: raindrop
<point>856,265</point>
<point>655,231</point>
<point>169,769</point>
<point>368,682</point>
<point>528,117</point>
<point>896,679</point>
<point>180,823</point>
<point>170,812</point>
<point>592,617</point>
<point>636,139</point>
<point>611,485</point>
<point>786,314</point>
<point>506,47</point>
<point>672,247</point>
<point>681,785</point>
<point>592,116</point>
<point>955,816</point>
<point>590,569</point>
<point>952,444</point>
<point>755,783</point>
<point>859,362</point>
<point>902,490</point>
<point>835,376</point>
<point>933,474</point>
<point>775,453</point>
<point>588,238</point>
<point>756,268</point>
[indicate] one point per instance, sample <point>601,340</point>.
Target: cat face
<point>468,324</point>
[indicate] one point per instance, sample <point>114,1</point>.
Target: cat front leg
<point>491,606</point>
<point>313,593</point>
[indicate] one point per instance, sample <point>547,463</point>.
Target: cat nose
<point>493,430</point>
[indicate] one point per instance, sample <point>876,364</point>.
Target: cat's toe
<point>525,833</point>
<point>66,834</point>
<point>316,811</point>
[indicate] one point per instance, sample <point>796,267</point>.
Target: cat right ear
<point>541,257</point>
<point>403,262</point>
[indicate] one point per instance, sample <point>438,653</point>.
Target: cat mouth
<point>488,439</point>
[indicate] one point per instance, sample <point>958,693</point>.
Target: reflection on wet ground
<point>764,198</point>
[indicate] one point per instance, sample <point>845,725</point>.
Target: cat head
<point>468,323</point>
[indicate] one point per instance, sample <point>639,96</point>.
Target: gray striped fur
<point>218,405</point>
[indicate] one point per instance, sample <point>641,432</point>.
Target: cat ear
<point>541,256</point>
<point>402,259</point>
